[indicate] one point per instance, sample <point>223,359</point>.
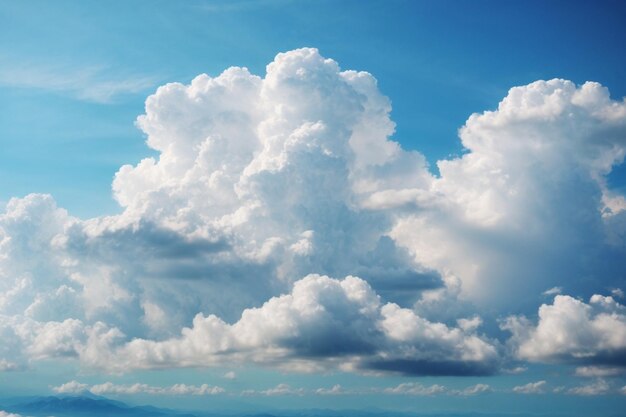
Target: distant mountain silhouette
<point>90,405</point>
<point>83,406</point>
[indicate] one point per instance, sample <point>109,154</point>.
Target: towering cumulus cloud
<point>280,225</point>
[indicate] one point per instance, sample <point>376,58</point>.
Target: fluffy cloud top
<point>572,331</point>
<point>261,181</point>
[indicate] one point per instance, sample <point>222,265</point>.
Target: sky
<point>244,205</point>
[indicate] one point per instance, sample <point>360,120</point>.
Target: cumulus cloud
<point>599,387</point>
<point>410,388</point>
<point>278,390</point>
<point>322,323</point>
<point>260,182</point>
<point>599,371</point>
<point>572,331</point>
<point>416,389</point>
<point>531,388</point>
<point>7,366</point>
<point>334,390</point>
<point>474,390</point>
<point>74,387</point>
<point>5,414</point>
<point>531,186</point>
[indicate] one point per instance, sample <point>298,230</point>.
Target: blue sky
<point>259,178</point>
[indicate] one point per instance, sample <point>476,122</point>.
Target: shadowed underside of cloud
<point>260,182</point>
<point>322,323</point>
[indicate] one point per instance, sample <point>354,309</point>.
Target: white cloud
<point>334,390</point>
<point>474,390</point>
<point>71,387</point>
<point>553,291</point>
<point>322,323</point>
<point>5,414</point>
<point>516,370</point>
<point>572,331</point>
<point>512,214</point>
<point>599,387</point>
<point>230,375</point>
<point>74,387</point>
<point>7,366</point>
<point>260,181</point>
<point>531,388</point>
<point>411,388</point>
<point>278,390</point>
<point>599,371</point>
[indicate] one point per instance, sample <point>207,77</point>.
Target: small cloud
<point>531,388</point>
<point>415,389</point>
<point>335,390</point>
<point>599,387</point>
<point>553,291</point>
<point>5,414</point>
<point>474,390</point>
<point>599,371</point>
<point>516,370</point>
<point>470,325</point>
<point>8,366</point>
<point>72,387</point>
<point>278,390</point>
<point>617,292</point>
<point>230,375</point>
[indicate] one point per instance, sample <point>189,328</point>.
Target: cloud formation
<point>599,387</point>
<point>572,331</point>
<point>107,388</point>
<point>531,388</point>
<point>322,323</point>
<point>265,191</point>
<point>5,414</point>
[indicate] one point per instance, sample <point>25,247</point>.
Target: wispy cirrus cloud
<point>94,83</point>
